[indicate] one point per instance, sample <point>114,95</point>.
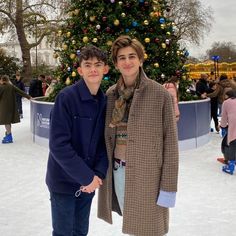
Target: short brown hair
<point>92,51</point>
<point>125,41</point>
<point>5,79</point>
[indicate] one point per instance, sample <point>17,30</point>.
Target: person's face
<point>128,64</point>
<point>92,71</point>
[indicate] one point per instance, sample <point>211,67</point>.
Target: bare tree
<point>192,19</point>
<point>225,50</point>
<point>29,17</point>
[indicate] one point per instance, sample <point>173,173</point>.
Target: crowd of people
<point>123,143</point>
<point>11,92</point>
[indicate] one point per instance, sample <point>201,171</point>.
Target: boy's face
<point>92,71</point>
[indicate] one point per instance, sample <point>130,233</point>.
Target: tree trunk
<point>24,45</point>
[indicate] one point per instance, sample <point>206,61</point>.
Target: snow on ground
<point>205,201</point>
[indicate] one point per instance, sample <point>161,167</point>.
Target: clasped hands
<point>96,183</point>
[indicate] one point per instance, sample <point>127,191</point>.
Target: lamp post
<point>36,48</point>
<point>216,58</point>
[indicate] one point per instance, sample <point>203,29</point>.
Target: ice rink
<point>205,206</point>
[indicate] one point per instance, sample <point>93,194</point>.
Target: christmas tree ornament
<point>68,34</point>
<point>147,40</point>
<point>104,18</point>
<point>146,22</point>
<point>163,45</point>
<point>73,42</point>
<point>109,43</point>
<point>76,12</point>
<point>73,74</point>
<point>72,56</point>
<point>92,18</point>
<point>123,15</point>
<point>95,40</point>
<point>68,69</point>
<point>78,52</point>
<point>108,29</point>
<point>162,26</point>
<point>162,76</point>
<point>156,65</point>
<point>59,32</point>
<point>168,33</point>
<point>112,1</point>
<point>120,3</point>
<point>98,27</point>
<point>134,23</point>
<point>68,82</point>
<point>162,20</point>
<point>145,56</point>
<point>64,46</point>
<point>156,40</point>
<point>116,22</point>
<point>167,41</point>
<point>85,39</point>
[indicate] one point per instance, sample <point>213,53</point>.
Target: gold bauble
<point>85,39</point>
<point>123,15</point>
<point>116,22</point>
<point>163,26</point>
<point>73,74</point>
<point>163,45</point>
<point>72,56</point>
<point>68,34</point>
<point>59,32</point>
<point>94,40</point>
<point>64,46</point>
<point>156,64</point>
<point>152,14</point>
<point>146,22</point>
<point>92,18</point>
<point>76,12</point>
<point>109,43</point>
<point>145,56</point>
<point>147,40</point>
<point>68,81</point>
<point>168,33</point>
<point>178,52</point>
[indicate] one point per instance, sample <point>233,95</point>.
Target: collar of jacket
<point>85,93</point>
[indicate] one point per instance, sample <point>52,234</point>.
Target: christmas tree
<point>101,22</point>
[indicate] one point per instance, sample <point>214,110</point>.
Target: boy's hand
<point>93,185</point>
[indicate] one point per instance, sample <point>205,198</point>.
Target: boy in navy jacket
<point>77,159</point>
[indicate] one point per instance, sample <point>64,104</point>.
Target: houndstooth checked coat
<point>151,161</point>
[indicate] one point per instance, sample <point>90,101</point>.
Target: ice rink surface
<point>205,206</point>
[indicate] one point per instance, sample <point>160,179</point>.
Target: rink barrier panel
<point>193,126</point>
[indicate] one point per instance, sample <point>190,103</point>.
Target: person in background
<point>19,84</point>
<point>50,88</point>
<point>142,147</point>
<point>222,87</point>
<point>8,106</point>
<point>228,120</point>
<point>77,162</point>
<point>172,87</point>
<point>214,105</point>
<point>202,86</point>
<point>36,88</point>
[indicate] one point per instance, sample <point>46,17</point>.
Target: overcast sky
<point>223,27</point>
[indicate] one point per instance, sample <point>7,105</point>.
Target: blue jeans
<point>70,214</point>
<point>119,184</point>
